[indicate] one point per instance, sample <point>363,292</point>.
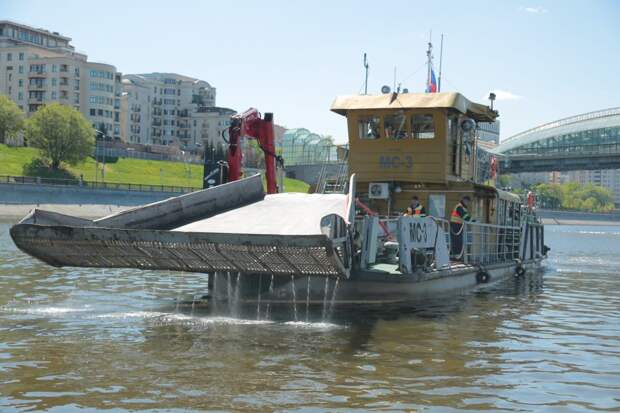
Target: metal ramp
<point>233,227</point>
<point>334,184</point>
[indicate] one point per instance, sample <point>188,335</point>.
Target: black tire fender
<point>482,277</point>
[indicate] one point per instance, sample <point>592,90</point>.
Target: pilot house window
<point>369,127</point>
<point>423,127</point>
<point>394,126</point>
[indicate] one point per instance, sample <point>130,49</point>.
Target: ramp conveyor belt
<point>233,227</point>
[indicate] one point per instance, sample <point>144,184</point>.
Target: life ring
<point>482,277</point>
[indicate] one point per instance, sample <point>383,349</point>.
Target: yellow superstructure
<point>420,144</point>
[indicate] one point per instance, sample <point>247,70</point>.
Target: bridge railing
<point>577,149</point>
<point>118,186</point>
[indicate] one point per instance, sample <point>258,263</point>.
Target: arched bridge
<point>584,142</point>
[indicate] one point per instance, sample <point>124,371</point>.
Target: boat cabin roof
<point>450,100</point>
<point>508,196</point>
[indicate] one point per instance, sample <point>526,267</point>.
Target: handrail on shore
<point>118,186</point>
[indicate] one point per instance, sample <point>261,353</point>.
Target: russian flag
<point>432,83</point>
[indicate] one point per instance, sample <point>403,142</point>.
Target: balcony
<point>157,102</point>
<point>36,86</point>
<point>35,100</point>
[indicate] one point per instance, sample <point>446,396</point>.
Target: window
<point>423,127</point>
<point>369,127</point>
<point>21,56</point>
<point>21,69</point>
<point>54,81</point>
<point>9,57</point>
<point>54,68</point>
<point>20,96</point>
<point>93,112</point>
<point>20,83</point>
<point>394,126</point>
<point>54,95</point>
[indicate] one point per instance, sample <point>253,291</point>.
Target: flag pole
<point>429,63</point>
<point>440,62</point>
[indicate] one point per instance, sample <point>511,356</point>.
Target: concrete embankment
<point>552,217</point>
<point>16,200</point>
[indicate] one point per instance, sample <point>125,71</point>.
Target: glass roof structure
<point>302,147</point>
<point>593,132</point>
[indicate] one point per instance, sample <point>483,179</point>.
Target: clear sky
<point>545,59</point>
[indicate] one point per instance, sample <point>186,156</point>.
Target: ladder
<point>334,184</point>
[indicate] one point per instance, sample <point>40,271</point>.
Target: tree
<point>11,118</point>
<point>61,133</point>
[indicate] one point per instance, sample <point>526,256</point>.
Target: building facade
<point>171,109</point>
<point>489,132</point>
<point>38,67</point>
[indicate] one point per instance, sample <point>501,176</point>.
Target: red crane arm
<point>250,125</point>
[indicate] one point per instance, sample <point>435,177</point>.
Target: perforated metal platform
<point>192,252</point>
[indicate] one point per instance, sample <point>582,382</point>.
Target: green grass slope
<point>23,162</point>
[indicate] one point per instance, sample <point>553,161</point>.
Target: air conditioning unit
<point>378,190</point>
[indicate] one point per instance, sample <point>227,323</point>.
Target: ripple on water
<point>80,339</point>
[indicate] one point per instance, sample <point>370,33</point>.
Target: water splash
<point>214,292</point>
<point>294,296</point>
<point>333,300</point>
<point>325,291</point>
<point>235,302</point>
<point>260,282</point>
<point>307,298</point>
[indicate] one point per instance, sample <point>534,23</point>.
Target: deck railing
<point>117,186</point>
<point>485,244</point>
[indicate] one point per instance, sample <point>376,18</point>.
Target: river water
<point>90,340</point>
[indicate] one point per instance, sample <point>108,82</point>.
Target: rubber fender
<point>482,277</point>
<point>519,271</point>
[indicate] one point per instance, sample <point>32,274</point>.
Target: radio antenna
<point>366,76</point>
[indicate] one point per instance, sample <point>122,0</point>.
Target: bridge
<point>590,141</point>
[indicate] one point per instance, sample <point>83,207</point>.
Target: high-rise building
<point>607,178</point>
<point>489,132</point>
<point>38,67</point>
<point>171,109</point>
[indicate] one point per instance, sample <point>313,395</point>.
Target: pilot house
<point>422,144</point>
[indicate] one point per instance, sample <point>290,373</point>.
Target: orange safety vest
<point>455,216</point>
<point>415,211</point>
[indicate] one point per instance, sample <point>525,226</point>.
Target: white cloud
<point>535,10</point>
<point>503,95</point>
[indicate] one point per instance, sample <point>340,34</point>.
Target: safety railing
<point>483,244</point>
<point>120,186</point>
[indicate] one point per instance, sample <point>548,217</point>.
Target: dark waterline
<point>114,340</point>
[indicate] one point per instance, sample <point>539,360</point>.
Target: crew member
<point>415,208</point>
<point>459,215</point>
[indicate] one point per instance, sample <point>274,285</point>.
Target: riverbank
<point>553,221</point>
<point>556,217</point>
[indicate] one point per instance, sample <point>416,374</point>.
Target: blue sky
<point>546,59</point>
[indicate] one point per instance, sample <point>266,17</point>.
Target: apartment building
<point>39,67</point>
<point>171,109</point>
<point>607,178</point>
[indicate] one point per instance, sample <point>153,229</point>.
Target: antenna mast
<point>440,62</point>
<point>429,55</point>
<point>366,77</point>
